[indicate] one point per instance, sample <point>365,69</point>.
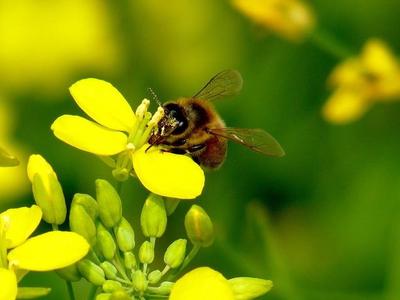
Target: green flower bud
<point>47,190</point>
<point>81,223</point>
<point>165,288</point>
<point>199,227</point>
<point>110,286</point>
<point>109,270</point>
<point>125,236</point>
<point>146,253</point>
<point>130,260</point>
<point>92,272</point>
<point>105,242</point>
<point>103,296</point>
<point>49,196</point>
<point>88,203</point>
<point>120,295</point>
<point>154,276</point>
<point>175,253</point>
<point>69,273</point>
<point>32,292</point>
<point>246,288</point>
<point>7,160</point>
<point>153,219</point>
<point>139,281</point>
<point>110,207</point>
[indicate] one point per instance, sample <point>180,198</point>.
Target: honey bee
<point>191,125</point>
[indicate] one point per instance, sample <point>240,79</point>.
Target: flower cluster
<point>361,81</point>
<point>120,138</point>
<point>118,269</point>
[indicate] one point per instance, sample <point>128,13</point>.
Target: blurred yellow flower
<point>360,81</point>
<point>120,137</point>
<point>44,42</point>
<point>13,181</point>
<point>291,19</point>
<point>44,252</point>
<point>202,283</point>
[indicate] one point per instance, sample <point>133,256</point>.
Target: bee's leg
<point>196,148</point>
<point>175,151</point>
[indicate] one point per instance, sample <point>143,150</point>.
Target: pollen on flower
<point>156,117</point>
<point>130,147</point>
<point>142,108</point>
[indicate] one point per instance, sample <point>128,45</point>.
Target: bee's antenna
<point>154,96</point>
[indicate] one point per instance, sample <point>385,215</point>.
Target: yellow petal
<point>19,223</point>
<point>104,103</point>
<point>168,174</point>
<point>345,106</point>
<point>88,136</point>
<point>202,283</point>
<point>49,251</point>
<point>8,290</point>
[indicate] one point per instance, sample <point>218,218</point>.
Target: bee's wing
<point>225,83</point>
<point>257,140</point>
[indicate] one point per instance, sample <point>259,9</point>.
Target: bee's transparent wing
<point>225,83</point>
<point>257,140</point>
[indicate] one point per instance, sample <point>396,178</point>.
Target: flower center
<point>138,136</point>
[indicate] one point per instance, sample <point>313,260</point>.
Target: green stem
<point>92,293</point>
<point>70,290</point>
<point>54,227</point>
<point>330,44</point>
<point>119,187</point>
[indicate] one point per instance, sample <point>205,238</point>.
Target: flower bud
<point>120,295</point>
<point>81,223</point>
<point>246,288</point>
<point>130,260</point>
<point>7,160</point>
<point>110,207</point>
<point>110,286</point>
<point>125,235</point>
<point>46,189</point>
<point>105,242</point>
<point>165,288</point>
<point>175,253</point>
<point>92,272</point>
<point>88,203</point>
<point>139,281</point>
<point>103,296</point>
<point>154,276</point>
<point>109,270</point>
<point>146,253</point>
<point>154,217</point>
<point>69,273</point>
<point>199,227</point>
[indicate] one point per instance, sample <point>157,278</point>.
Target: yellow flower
<point>44,252</point>
<point>360,81</point>
<point>120,137</point>
<point>202,283</point>
<point>8,281</point>
<point>291,19</point>
<point>49,41</point>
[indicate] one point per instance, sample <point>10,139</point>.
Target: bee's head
<point>173,123</point>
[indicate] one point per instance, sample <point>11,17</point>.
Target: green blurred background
<point>322,222</point>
